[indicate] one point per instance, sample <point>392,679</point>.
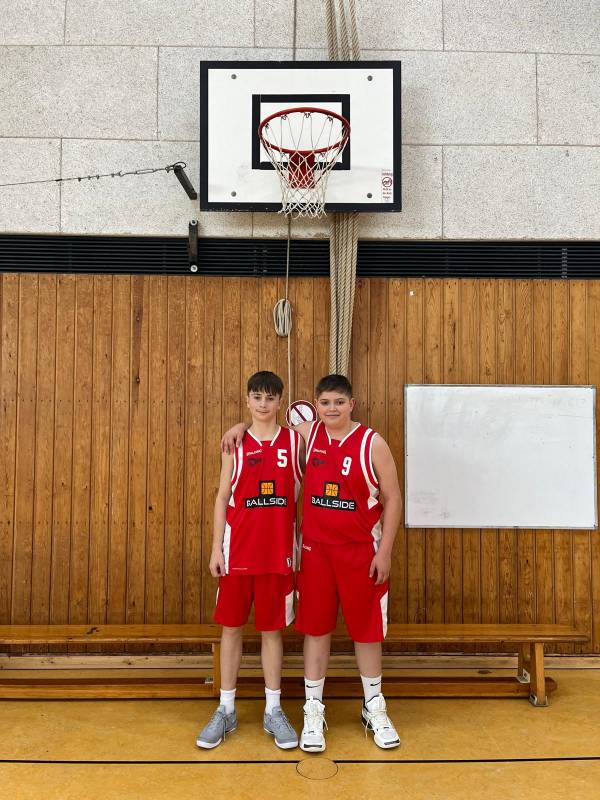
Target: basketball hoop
<point>303,145</point>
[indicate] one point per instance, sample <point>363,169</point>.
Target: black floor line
<point>298,760</point>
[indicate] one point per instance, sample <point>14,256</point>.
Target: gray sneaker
<point>214,731</point>
<point>279,726</point>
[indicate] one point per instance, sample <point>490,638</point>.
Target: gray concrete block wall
<point>501,112</point>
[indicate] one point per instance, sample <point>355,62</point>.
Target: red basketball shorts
<point>272,595</point>
<point>331,575</point>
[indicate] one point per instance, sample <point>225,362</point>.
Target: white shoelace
<point>314,720</point>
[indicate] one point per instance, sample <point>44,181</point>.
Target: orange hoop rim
<point>304,109</point>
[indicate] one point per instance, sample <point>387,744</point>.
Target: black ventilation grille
<point>309,257</point>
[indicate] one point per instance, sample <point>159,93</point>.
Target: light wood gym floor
<point>463,749</point>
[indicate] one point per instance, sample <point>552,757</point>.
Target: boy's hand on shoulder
<point>233,438</point>
<point>216,564</point>
<point>381,564</point>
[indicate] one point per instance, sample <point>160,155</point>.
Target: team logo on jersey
<point>317,462</point>
<point>267,496</point>
<point>252,462</point>
<point>331,498</point>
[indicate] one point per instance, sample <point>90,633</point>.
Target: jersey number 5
<point>346,464</point>
<point>281,458</point>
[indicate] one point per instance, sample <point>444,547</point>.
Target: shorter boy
<point>253,555</point>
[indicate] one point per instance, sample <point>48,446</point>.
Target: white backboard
<point>500,457</point>
<point>235,172</point>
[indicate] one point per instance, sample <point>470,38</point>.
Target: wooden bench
<point>527,641</point>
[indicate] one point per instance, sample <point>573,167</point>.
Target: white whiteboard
<point>500,456</point>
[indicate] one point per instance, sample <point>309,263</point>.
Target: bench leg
<point>216,668</point>
<point>538,679</point>
<point>524,666</point>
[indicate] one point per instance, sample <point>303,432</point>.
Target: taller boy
<point>346,553</point>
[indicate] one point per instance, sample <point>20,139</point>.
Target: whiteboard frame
<point>502,386</point>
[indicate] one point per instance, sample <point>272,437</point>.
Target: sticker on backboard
<point>387,186</point>
<point>300,411</point>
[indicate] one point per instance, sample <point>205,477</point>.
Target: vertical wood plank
<point>544,555</point>
<point>173,607</point>
<point>415,304</point>
<point>378,345</point>
<point>137,501</point>
<point>213,371</point>
<point>359,373</point>
<point>488,375</point>
<point>578,374</point>
<point>63,451</point>
<point>321,329</point>
<point>156,545</point>
<point>44,453</point>
<point>119,449</point>
<point>505,372</point>
<point>469,360</point>
<point>593,358</point>
<point>398,600</point>
<point>25,449</point>
<point>100,455</point>
<point>453,538</point>
<point>194,450</point>
<point>432,365</point>
<point>82,445</point>
<point>9,350</point>
<point>524,374</point>
<point>562,539</point>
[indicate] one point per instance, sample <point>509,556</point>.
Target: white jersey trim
<point>384,613</point>
<point>312,435</point>
<point>226,545</point>
<point>289,608</point>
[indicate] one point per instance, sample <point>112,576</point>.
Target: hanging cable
<point>282,311</point>
<point>120,174</point>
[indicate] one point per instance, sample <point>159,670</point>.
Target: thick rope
<point>342,41</point>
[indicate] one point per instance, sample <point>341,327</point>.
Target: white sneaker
<point>312,738</point>
<point>375,718</point>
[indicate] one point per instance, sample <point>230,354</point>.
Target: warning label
<point>387,186</point>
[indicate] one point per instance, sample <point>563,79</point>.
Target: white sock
<point>227,699</point>
<point>371,687</point>
<point>273,697</point>
<point>314,689</point>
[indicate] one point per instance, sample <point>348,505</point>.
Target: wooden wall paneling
<point>173,608</point>
<point>415,305</point>
<point>578,374</point>
<point>505,374</point>
<point>25,450</point>
<point>593,357</point>
<point>213,387</point>
<point>542,349</point>
<point>44,455</point>
<point>453,538</point>
<point>9,350</point>
<point>138,454</point>
<point>562,539</point>
<point>194,450</point>
<point>433,373</point>
<point>157,542</point>
<point>120,443</point>
<point>524,374</point>
<point>487,375</point>
<point>63,452</point>
<point>82,452</point>
<point>100,454</point>
<point>468,366</point>
<point>280,366</point>
<point>396,350</point>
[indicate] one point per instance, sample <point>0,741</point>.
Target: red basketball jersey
<point>261,516</point>
<point>341,490</point>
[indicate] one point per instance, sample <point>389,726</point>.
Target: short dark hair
<point>334,383</point>
<point>265,381</point>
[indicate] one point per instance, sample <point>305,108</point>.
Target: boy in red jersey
<point>346,553</point>
<point>253,555</point>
